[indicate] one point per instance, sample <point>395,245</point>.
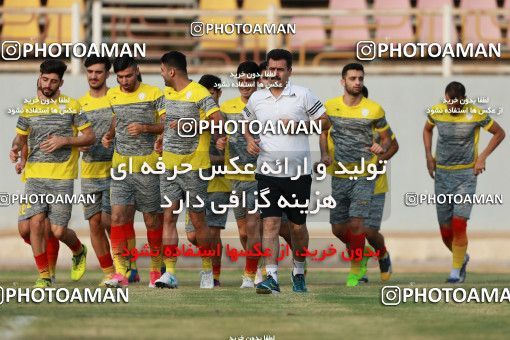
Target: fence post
<point>75,36</point>
<point>447,35</point>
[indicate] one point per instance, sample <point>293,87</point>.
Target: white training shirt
<point>295,103</point>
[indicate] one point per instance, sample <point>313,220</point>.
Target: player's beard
<point>97,86</point>
<point>351,91</point>
<point>48,93</point>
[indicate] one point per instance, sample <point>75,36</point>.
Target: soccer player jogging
<point>97,161</point>
<point>52,243</point>
<point>355,120</point>
<point>185,100</point>
<point>218,190</point>
<point>235,146</point>
<point>373,224</point>
<point>136,107</point>
<point>50,125</point>
<point>456,166</point>
<point>289,104</point>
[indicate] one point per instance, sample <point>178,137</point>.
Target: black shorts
<point>284,186</point>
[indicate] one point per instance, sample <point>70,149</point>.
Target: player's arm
<point>216,119</point>
<point>427,142</point>
<point>135,129</point>
<point>53,142</point>
<point>498,134</point>
<point>18,143</point>
<point>108,137</point>
<point>23,160</point>
<point>392,150</point>
<point>323,145</point>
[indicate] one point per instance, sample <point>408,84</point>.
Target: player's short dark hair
<point>280,54</point>
<point>176,60</point>
<point>122,63</point>
<point>249,67</point>
<point>364,91</point>
<point>352,66</point>
<point>92,60</point>
<point>53,66</point>
<point>455,90</point>
<point>263,66</point>
<point>210,81</point>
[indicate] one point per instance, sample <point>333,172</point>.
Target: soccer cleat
<point>206,279</point>
<point>258,277</point>
<point>298,283</point>
<point>363,268</point>
<point>453,280</point>
<point>385,267</point>
<point>166,280</point>
<point>133,276</point>
<point>107,277</point>
<point>352,280</point>
<point>462,274</point>
<point>268,286</point>
<point>153,276</point>
<point>42,283</point>
<point>217,283</point>
<point>53,279</point>
<point>364,279</point>
<point>247,282</point>
<point>79,265</point>
<point>117,281</point>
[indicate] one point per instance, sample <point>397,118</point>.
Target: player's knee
<point>58,232</point>
<point>192,237</point>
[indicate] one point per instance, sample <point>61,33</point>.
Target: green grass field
<point>329,311</point>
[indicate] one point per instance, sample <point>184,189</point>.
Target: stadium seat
<point>310,33</point>
<point>258,41</point>
<point>478,28</point>
<point>393,28</point>
<point>218,41</point>
<point>430,28</point>
<point>346,31</point>
<point>58,26</point>
<point>21,27</point>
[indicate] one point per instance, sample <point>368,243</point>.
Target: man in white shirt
<point>290,105</point>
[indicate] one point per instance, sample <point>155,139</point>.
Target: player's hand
<point>84,148</point>
<point>376,149</point>
<point>173,124</point>
<point>326,160</point>
<point>479,166</point>
<point>53,143</point>
<point>431,166</point>
<point>221,143</point>
<point>134,129</point>
<point>286,122</point>
<point>14,154</point>
<point>19,167</point>
<point>106,140</point>
<point>253,147</point>
<point>158,145</point>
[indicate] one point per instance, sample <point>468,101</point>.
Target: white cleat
<point>247,282</point>
<point>258,277</point>
<point>166,280</point>
<point>206,280</point>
